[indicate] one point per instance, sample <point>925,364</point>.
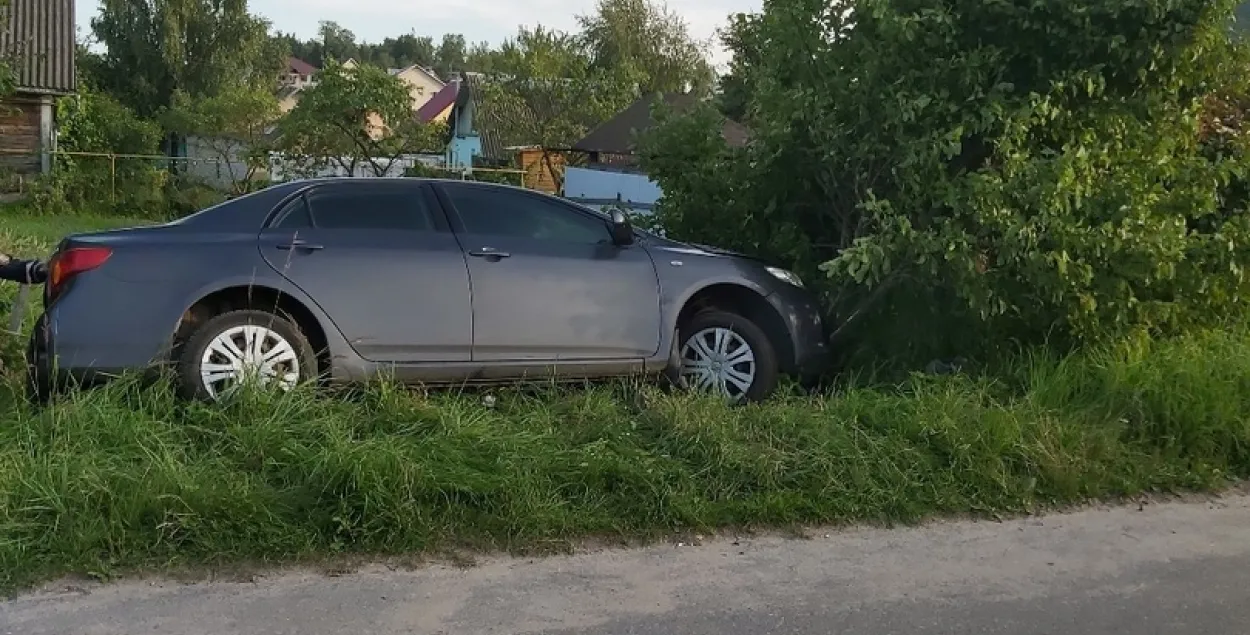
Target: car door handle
<point>300,244</point>
<point>489,252</point>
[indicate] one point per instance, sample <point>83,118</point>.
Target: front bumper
<point>811,355</point>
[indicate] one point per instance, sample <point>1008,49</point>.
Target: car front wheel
<point>728,355</point>
<point>235,348</point>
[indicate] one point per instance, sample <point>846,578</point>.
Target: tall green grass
<point>126,477</point>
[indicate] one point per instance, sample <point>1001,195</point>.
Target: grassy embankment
<point>122,478</point>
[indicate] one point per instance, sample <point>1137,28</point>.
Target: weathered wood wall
<point>20,145</point>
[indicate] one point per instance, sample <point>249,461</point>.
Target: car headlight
<point>786,276</point>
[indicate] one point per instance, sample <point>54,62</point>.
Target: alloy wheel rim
<point>718,360</point>
<point>248,352</point>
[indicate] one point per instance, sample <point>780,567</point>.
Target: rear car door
<point>379,258</point>
<point>548,284</point>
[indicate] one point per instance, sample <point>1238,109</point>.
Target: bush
<point>960,184</point>
<point>96,123</point>
<point>113,165</point>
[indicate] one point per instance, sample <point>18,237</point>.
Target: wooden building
<point>37,44</point>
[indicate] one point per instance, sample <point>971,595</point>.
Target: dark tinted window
<point>294,215</point>
<point>371,207</point>
<point>502,212</point>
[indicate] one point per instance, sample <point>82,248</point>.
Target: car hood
<point>673,246</point>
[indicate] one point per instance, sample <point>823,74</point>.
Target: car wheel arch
<point>256,297</point>
<point>744,300</point>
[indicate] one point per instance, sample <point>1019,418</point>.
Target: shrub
<point>98,124</point>
<point>950,171</point>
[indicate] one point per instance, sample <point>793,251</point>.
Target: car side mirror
<point>622,230</point>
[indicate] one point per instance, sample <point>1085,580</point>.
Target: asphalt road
<point>1179,568</point>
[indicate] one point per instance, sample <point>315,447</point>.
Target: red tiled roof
<point>442,100</point>
<point>297,65</point>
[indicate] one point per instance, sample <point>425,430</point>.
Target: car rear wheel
<point>726,354</point>
<point>239,347</point>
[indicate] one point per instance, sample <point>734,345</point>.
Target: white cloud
<point>478,20</point>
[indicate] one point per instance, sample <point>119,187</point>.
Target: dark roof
<point>617,135</point>
<point>438,103</point>
<point>297,65</point>
<point>38,42</point>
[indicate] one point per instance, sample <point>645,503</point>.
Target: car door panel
<point>556,301</point>
<point>564,293</point>
<point>396,295</point>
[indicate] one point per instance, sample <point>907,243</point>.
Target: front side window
<point>492,211</point>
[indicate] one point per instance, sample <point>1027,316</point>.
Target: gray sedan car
<point>427,281</point>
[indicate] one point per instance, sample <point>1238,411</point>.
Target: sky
<point>479,20</point>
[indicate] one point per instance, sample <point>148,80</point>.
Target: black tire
<point>190,384</point>
<point>767,364</point>
<point>39,388</point>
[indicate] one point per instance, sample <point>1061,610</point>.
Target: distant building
<point>612,177</point>
<point>38,44</point>
<point>422,84</point>
<point>298,73</point>
<point>615,140</point>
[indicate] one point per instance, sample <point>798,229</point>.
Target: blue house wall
<point>465,142</point>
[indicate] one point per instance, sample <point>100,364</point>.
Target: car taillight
<point>71,262</point>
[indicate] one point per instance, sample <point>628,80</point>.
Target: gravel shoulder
<point>1159,568</point>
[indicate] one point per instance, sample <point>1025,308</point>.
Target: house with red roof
<point>298,73</point>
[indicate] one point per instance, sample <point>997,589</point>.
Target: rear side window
<point>380,207</point>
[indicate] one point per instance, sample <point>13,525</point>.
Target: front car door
<point>380,259</point>
<point>548,284</point>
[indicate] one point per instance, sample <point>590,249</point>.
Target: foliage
<point>356,117</point>
<point>735,86</point>
<point>98,125</point>
<point>451,54</point>
<point>959,177</point>
<point>233,125</point>
<point>155,48</point>
<point>545,90</point>
<point>124,478</point>
<point>7,77</point>
<point>645,39</point>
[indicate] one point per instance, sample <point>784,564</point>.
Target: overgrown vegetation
<point>129,477</point>
<point>124,478</point>
<point>955,183</point>
<point>950,181</point>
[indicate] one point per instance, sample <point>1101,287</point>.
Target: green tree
<point>95,124</point>
<point>154,48</point>
<point>452,55</point>
<point>950,171</point>
<point>649,40</point>
<point>545,90</point>
<point>234,126</point>
<point>736,86</point>
<point>337,43</point>
<point>356,118</point>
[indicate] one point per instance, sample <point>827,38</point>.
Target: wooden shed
<point>37,42</point>
<point>544,169</point>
